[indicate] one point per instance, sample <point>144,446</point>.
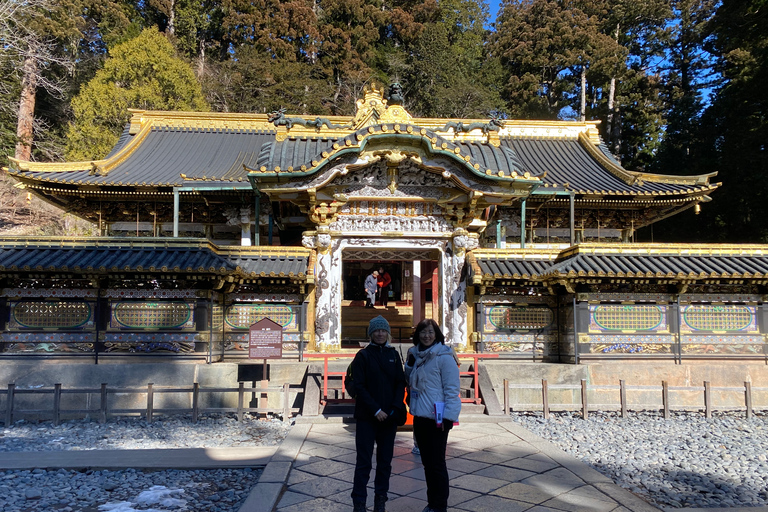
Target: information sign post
<point>265,341</point>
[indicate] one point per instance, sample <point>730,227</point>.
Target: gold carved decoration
<point>373,110</point>
<point>394,157</point>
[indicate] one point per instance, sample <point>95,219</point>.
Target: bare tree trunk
<point>611,96</point>
<point>201,60</point>
<point>583,102</point>
<point>615,145</point>
<point>172,18</point>
<point>26,119</point>
<point>613,130</point>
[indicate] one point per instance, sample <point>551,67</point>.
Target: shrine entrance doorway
<point>412,294</point>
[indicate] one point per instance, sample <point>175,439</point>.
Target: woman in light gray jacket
<point>432,372</point>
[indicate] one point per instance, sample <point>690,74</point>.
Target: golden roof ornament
<point>373,109</point>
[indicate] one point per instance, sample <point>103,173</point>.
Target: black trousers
<point>432,443</point>
<point>366,434</point>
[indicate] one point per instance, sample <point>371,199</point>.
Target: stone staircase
<point>355,318</point>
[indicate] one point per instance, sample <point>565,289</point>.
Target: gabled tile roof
<point>673,261</point>
<point>566,164</point>
<point>656,261</point>
<point>301,155</point>
<point>514,264</point>
<point>105,256</point>
<point>187,149</point>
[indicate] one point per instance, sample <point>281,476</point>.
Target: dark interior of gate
<point>400,295</point>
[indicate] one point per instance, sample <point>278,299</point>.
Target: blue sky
<point>494,8</point>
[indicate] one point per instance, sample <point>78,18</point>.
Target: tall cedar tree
<point>732,134</point>
<point>447,73</point>
<point>545,46</point>
<point>623,87</point>
<point>142,73</point>
<point>687,76</point>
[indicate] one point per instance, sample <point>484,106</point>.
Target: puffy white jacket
<point>433,377</point>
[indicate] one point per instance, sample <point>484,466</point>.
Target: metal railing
<point>328,374</point>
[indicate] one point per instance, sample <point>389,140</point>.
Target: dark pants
<point>432,442</point>
<point>366,433</point>
<point>384,295</point>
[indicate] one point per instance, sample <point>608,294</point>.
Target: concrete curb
<point>171,458</point>
<point>266,493</point>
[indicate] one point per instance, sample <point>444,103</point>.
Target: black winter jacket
<point>379,382</point>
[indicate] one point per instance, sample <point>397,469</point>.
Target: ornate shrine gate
<point>389,186</point>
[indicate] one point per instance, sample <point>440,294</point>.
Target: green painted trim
<point>403,137</point>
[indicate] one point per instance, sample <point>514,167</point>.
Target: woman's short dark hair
<point>439,338</point>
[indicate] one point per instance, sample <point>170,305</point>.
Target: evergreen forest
<point>675,84</point>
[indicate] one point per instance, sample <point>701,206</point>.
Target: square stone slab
<point>321,487</point>
<point>523,492</point>
<point>591,492</point>
<point>530,465</point>
<point>400,465</point>
<point>327,452</point>
<point>405,504</point>
<point>292,498</point>
<point>477,483</point>
<point>576,503</point>
<point>297,476</point>
<point>326,467</point>
<point>465,466</point>
<point>490,503</point>
<point>404,486</point>
<point>555,482</point>
<point>504,473</point>
<point>487,456</point>
<point>315,505</point>
<point>514,450</point>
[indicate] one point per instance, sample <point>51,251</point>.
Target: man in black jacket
<point>380,386</point>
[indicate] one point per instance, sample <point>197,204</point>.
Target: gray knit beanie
<point>378,323</point>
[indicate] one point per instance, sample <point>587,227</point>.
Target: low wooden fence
<point>623,405</point>
<point>104,392</point>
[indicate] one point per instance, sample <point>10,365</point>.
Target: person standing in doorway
<point>433,378</point>
<point>371,284</point>
<point>379,410</point>
<point>384,280</point>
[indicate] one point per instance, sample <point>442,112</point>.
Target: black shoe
<point>358,506</point>
<point>378,503</point>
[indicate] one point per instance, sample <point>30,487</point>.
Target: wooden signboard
<point>265,340</point>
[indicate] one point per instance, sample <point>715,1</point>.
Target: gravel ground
<point>133,490</point>
<point>686,461</point>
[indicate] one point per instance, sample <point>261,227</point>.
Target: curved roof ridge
<point>636,177</point>
<point>272,160</point>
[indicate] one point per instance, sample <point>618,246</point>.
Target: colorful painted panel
<point>41,314</point>
<point>242,316</point>
<point>531,344</point>
<point>150,342</point>
<point>718,318</point>
<point>723,345</point>
<point>642,344</point>
<point>218,317</point>
<point>517,318</point>
<point>627,318</point>
<point>47,342</point>
<point>152,315</point>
